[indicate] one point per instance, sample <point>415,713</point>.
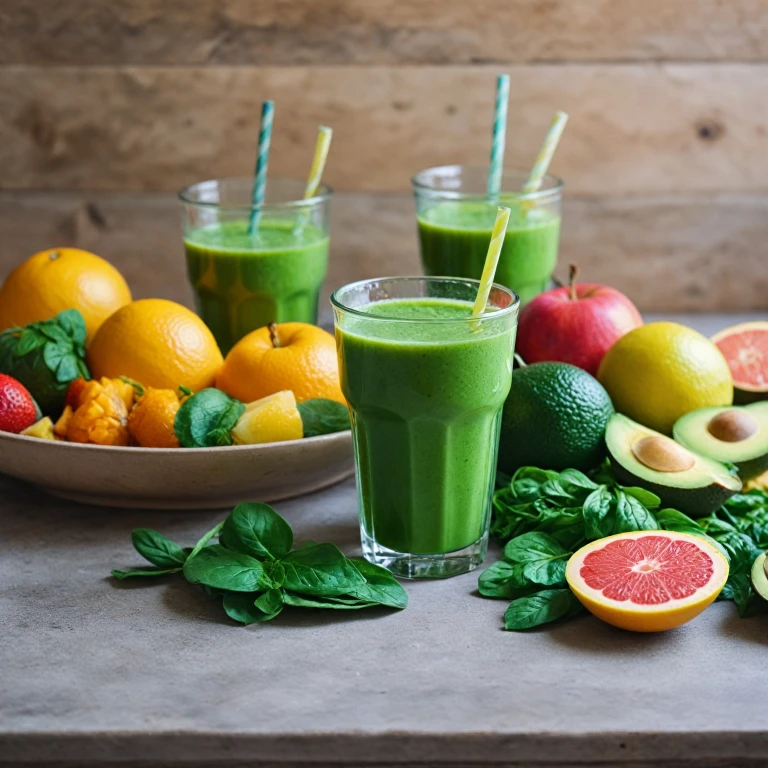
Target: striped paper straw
<point>324,135</point>
<point>544,158</point>
<point>491,261</point>
<point>499,136</point>
<point>262,160</point>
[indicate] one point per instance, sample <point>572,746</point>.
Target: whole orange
<point>151,422</point>
<point>58,279</point>
<point>295,356</point>
<point>159,344</point>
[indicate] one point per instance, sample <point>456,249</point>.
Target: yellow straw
<point>491,261</point>
<point>324,134</point>
<point>544,158</point>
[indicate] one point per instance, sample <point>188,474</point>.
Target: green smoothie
<point>243,282</point>
<point>455,235</point>
<point>426,401</point>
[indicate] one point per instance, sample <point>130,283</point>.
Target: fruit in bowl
<point>575,324</point>
<point>18,410</point>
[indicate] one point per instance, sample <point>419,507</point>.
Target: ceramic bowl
<point>183,478</point>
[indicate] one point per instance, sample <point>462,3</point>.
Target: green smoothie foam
<point>426,399</point>
<point>455,235</point>
<point>243,282</point>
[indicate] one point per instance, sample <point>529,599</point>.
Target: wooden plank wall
<point>107,108</point>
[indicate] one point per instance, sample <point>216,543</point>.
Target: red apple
<point>575,324</point>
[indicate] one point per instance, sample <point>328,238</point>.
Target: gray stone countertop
<point>95,672</point>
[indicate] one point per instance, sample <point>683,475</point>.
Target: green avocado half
<point>682,479</point>
<point>759,576</point>
<point>731,434</point>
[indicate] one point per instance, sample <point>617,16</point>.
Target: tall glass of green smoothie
<point>455,216</point>
<point>244,280</point>
<point>425,383</point>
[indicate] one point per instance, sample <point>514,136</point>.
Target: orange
<point>158,343</point>
<point>272,419</point>
<point>295,356</point>
<point>58,279</point>
<point>647,581</point>
<point>151,422</point>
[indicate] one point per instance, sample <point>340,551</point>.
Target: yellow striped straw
<point>544,158</point>
<point>324,134</point>
<point>491,260</point>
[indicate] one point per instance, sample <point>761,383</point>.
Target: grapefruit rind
<point>647,618</point>
<point>744,391</point>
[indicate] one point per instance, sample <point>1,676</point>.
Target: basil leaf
<point>548,573</point>
<point>322,417</point>
<point>380,587</point>
<point>144,572</point>
<point>599,514</point>
<point>270,602</point>
<point>320,569</point>
<point>221,568</point>
<point>506,580</point>
<point>257,530</point>
<point>541,608</point>
<point>531,547</point>
<point>207,419</point>
<point>156,548</point>
<point>29,342</point>
<point>73,323</point>
<point>242,607</point>
<point>646,498</point>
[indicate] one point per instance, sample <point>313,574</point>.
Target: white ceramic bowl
<point>182,478</point>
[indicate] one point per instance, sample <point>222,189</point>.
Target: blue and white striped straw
<point>262,160</point>
<point>499,136</point>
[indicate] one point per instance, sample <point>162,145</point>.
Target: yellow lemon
<point>658,372</point>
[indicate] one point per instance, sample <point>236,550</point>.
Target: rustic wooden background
<point>109,106</point>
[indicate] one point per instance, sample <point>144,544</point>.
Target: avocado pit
<point>661,454</point>
<point>732,426</point>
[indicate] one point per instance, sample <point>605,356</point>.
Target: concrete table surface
<point>95,672</point>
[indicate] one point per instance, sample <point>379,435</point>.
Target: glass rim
<point>323,194</point>
<point>495,315</point>
<point>450,194</point>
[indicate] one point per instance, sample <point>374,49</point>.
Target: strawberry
<point>18,410</point>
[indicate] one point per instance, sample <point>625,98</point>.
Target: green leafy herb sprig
<point>206,419</point>
<point>46,357</point>
<point>256,572</point>
<point>542,517</point>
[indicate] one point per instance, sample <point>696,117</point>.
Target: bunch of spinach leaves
<point>256,572</point>
<point>542,517</point>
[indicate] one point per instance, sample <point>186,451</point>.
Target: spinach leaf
<point>221,568</point>
<point>333,603</point>
<point>504,579</point>
<point>156,548</point>
<point>380,587</point>
<point>322,417</point>
<point>631,515</point>
<point>203,541</point>
<point>207,418</point>
<point>531,547</point>
<point>320,569</point>
<point>599,513</point>
<point>257,530</point>
<point>541,608</point>
<point>576,483</point>
<point>646,498</point>
<point>242,607</point>
<point>149,572</point>
<point>271,602</point>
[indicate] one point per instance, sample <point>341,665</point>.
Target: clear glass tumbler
<point>245,279</point>
<point>455,217</point>
<point>425,384</point>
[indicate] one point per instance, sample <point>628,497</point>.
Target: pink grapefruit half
<point>745,348</point>
<point>647,581</point>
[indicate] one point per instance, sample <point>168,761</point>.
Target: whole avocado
<point>554,418</point>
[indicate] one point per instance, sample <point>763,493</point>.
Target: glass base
<point>418,566</point>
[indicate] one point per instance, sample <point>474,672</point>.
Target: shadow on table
<point>751,630</point>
